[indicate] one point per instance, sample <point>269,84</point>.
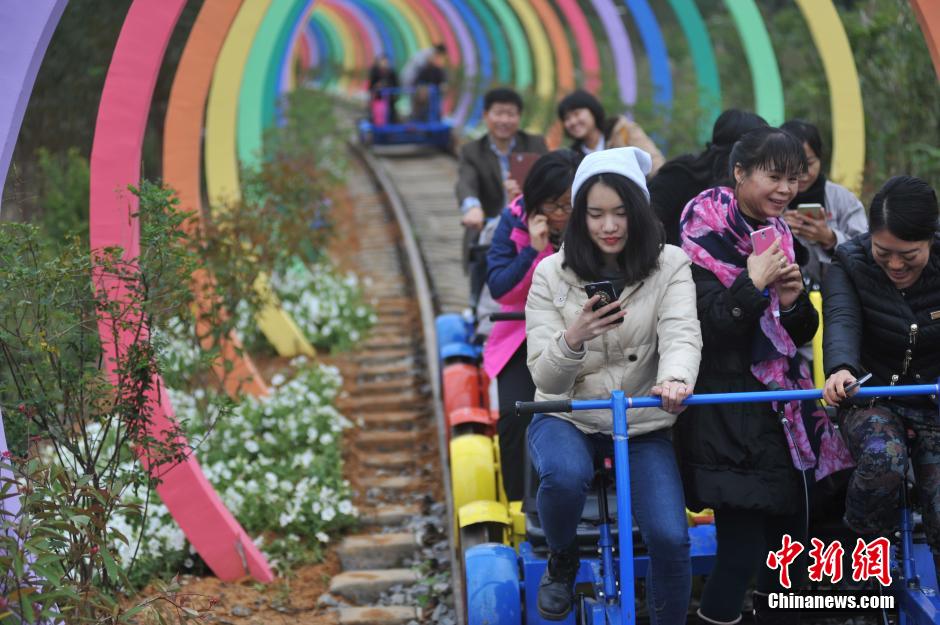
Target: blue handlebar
<point>724,398</point>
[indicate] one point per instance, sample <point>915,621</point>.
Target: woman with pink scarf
<point>751,462</point>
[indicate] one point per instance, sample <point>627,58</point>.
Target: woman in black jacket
<point>739,458</point>
<point>881,302</point>
<point>684,177</point>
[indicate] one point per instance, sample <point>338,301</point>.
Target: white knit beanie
<point>631,162</point>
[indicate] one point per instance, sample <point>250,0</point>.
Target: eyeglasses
<point>554,207</point>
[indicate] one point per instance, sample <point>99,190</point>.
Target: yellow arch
<point>544,61</point>
<point>417,26</point>
<point>845,93</point>
<point>221,162</point>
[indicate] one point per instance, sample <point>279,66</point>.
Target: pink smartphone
<point>762,239</point>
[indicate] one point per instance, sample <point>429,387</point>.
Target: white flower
<point>277,379</point>
<point>323,537</point>
<point>252,446</point>
<point>328,514</point>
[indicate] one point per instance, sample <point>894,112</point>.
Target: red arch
<point>115,163</point>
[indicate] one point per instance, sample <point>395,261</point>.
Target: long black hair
<point>645,235</point>
<point>710,166</point>
<point>549,178</point>
<point>807,133</point>
<point>907,207</point>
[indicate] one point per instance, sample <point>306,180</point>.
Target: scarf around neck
<point>716,237</point>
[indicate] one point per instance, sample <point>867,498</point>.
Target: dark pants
<point>745,537</point>
<point>564,457</point>
<point>514,383</point>
<point>877,437</point>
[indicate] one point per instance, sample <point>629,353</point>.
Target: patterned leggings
<point>877,437</point>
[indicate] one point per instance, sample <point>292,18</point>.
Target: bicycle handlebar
<point>508,316</point>
<point>569,405</point>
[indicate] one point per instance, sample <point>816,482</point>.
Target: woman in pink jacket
<point>529,230</point>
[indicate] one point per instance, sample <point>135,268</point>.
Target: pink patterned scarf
<point>716,237</point>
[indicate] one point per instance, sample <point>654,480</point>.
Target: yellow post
<point>819,373</point>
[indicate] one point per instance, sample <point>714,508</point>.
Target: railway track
<point>400,566</point>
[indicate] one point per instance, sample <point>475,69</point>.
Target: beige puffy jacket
<point>660,339</point>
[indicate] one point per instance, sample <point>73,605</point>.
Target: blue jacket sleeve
<point>505,267</point>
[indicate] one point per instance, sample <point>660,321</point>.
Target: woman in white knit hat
<point>646,342</point>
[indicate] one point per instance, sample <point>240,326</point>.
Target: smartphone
<point>607,295</point>
<point>813,210</point>
<point>762,239</point>
<point>854,385</point>
<point>520,163</point>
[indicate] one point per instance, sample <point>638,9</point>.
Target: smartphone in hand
<point>812,210</point>
<point>854,385</point>
<point>607,295</point>
<point>762,239</point>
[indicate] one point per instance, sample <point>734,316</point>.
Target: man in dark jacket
<point>484,187</point>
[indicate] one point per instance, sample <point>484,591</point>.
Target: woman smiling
<point>646,341</point>
<point>882,309</point>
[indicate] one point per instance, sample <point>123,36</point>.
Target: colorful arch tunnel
<point>240,56</point>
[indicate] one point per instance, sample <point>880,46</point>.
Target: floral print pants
<point>879,438</point>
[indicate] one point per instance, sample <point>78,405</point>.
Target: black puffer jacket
<point>736,455</point>
<point>868,321</point>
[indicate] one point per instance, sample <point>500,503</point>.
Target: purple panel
<point>25,29</point>
<point>470,59</point>
<point>624,63</point>
<point>287,62</point>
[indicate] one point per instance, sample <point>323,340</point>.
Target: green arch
<point>272,77</point>
<point>497,41</point>
<point>400,27</point>
<point>255,108</point>
<point>518,43</point>
<point>765,74</point>
<point>336,49</point>
<point>706,68</point>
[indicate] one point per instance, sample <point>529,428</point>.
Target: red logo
<point>783,558</point>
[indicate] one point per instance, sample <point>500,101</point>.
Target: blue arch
<point>381,25</point>
<point>652,37</point>
<point>486,55</point>
<point>323,48</point>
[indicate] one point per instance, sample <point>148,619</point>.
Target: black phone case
<point>608,295</point>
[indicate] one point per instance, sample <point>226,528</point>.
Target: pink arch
<point>115,163</point>
<point>447,32</point>
<point>587,47</point>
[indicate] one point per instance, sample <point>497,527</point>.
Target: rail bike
<point>424,125</point>
<point>502,583</point>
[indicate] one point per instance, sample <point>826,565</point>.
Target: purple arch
<point>288,58</point>
<point>624,63</point>
<point>25,31</point>
<point>470,60</point>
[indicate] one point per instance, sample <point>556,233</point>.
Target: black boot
<point>556,589</point>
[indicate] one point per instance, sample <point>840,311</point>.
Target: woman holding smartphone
<point>823,214</point>
<point>647,341</point>
<point>738,458</point>
<point>882,310</point>
<point>529,231</point>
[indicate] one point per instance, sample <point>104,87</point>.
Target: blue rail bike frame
<point>620,605</point>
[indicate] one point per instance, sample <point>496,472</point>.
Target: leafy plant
<point>91,413</point>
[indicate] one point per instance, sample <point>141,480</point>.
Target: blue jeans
<point>564,458</point>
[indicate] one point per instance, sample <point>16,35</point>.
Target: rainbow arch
<point>549,46</point>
